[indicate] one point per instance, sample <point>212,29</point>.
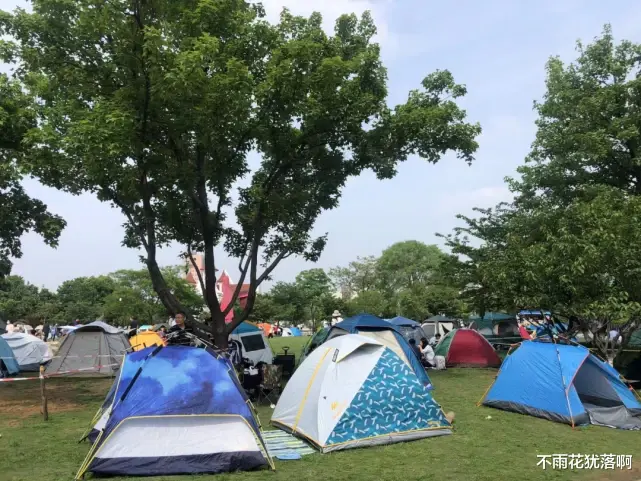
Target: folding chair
<point>270,386</point>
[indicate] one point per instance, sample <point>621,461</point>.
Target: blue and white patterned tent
<point>175,410</point>
<point>354,391</point>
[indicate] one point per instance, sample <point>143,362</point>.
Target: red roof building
<point>224,286</point>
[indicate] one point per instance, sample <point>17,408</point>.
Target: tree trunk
<point>219,330</point>
<point>171,303</point>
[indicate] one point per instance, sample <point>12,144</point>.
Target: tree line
<point>115,298</point>
<point>407,279</point>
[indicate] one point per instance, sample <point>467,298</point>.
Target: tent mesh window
<point>253,342</point>
<point>430,329</point>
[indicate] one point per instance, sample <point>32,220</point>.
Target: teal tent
<point>8,363</point>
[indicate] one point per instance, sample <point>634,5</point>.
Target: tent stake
<point>43,394</point>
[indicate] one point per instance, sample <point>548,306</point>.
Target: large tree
<point>154,105</point>
<point>588,126</point>
<point>570,241</point>
<point>358,276</point>
<point>19,213</point>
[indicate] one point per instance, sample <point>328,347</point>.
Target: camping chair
<point>270,386</point>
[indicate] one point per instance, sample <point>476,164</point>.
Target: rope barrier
<point>59,374</point>
<point>78,357</point>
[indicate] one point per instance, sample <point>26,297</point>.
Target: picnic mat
<point>282,445</point>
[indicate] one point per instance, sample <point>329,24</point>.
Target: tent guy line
<point>58,374</point>
<point>80,357</point>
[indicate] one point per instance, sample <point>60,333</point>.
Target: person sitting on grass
<point>427,353</point>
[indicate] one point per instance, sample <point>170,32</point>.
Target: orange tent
<point>146,339</point>
<point>267,328</point>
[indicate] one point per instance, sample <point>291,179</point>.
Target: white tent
<point>256,348</point>
<point>30,352</point>
<point>353,391</point>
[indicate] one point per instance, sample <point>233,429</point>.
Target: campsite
<point>481,449</point>
<point>467,449</point>
<point>347,240</point>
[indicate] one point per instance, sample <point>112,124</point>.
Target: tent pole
<point>565,389</point>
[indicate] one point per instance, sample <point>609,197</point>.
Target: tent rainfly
<point>175,410</point>
<point>30,351</point>
<point>95,349</point>
<point>564,383</point>
<point>354,391</point>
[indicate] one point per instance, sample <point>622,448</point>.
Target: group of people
<point>47,333</point>
<point>530,327</point>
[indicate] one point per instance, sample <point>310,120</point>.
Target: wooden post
<point>43,394</point>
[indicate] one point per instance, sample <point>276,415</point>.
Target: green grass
<point>295,344</point>
<point>501,448</point>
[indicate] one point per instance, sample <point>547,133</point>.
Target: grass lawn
<point>502,448</point>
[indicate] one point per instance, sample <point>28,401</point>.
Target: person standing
<point>11,328</point>
<point>46,329</point>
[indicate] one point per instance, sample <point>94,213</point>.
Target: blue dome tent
<point>255,345</point>
<point>408,328</point>
<point>563,383</point>
<point>176,410</point>
<point>384,332</point>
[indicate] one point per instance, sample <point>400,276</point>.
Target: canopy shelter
<point>467,348</point>
<point>30,351</point>
<point>354,391</point>
<point>564,383</point>
<point>256,348</point>
<point>384,332</point>
<point>438,325</point>
<point>8,363</point>
<point>495,324</point>
<point>175,410</point>
<point>95,349</point>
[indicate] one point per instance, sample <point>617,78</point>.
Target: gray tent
<point>96,349</point>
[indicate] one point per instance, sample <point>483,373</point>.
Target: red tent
<point>467,348</point>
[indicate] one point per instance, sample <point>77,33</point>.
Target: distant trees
<point>113,297</point>
<point>408,279</point>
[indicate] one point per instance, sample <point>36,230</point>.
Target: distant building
<point>224,285</point>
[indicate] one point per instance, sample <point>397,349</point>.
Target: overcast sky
<point>498,48</point>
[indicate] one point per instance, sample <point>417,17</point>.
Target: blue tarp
<point>550,380</point>
<point>8,359</point>
<point>175,382</point>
